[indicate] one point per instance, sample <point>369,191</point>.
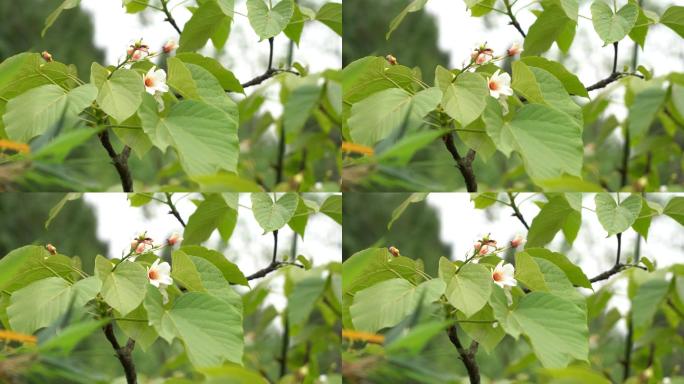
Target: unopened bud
<point>391,59</point>
<point>169,46</point>
<point>394,251</point>
<point>46,56</point>
<point>517,241</point>
<point>515,49</point>
<point>174,239</point>
<point>51,248</point>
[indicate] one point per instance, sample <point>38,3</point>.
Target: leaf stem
<point>173,211</point>
<point>169,17</point>
<point>516,211</point>
<point>514,21</point>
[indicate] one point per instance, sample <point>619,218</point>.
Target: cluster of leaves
<point>203,311</point>
<point>388,293</point>
<point>394,110</point>
<point>199,120</point>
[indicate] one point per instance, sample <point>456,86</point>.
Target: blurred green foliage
<point>69,40</point>
<point>365,225</point>
<point>414,44</point>
<point>73,232</point>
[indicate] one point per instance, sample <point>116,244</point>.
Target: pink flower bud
<point>517,241</point>
<point>141,248</point>
<point>391,59</point>
<point>134,244</point>
<point>46,56</point>
<point>515,49</point>
<point>477,245</point>
<point>484,250</point>
<point>483,58</point>
<point>169,46</point>
<point>174,239</point>
<point>51,248</point>
<point>394,251</point>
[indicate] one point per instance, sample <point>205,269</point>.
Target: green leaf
<point>268,22</point>
<point>54,211</point>
<point>330,14</point>
<point>376,117</point>
<point>36,111</point>
<point>527,271</point>
<point>613,27</point>
<point>414,6</point>
<point>231,374</point>
<point>52,17</point>
<point>480,328</point>
<point>212,213</point>
<point>548,27</point>
<point>193,128</point>
<point>184,272</point>
<point>540,86</point>
<point>469,289</point>
<point>465,99</point>
<point>270,215</point>
<point>417,337</point>
<point>124,288</point>
<point>398,211</point>
<point>574,273</point>
<point>297,110</point>
<point>556,328</point>
<point>617,218</point>
<point>294,28</point>
<point>332,207</point>
<point>571,83</point>
<point>301,216</point>
<point>647,300</point>
<point>643,110</point>
<point>387,303</point>
<point>15,261</point>
<point>649,210</point>
<point>675,209</point>
<point>573,374</point>
<point>640,30</point>
<point>225,77</point>
<point>230,271</point>
<point>302,299</point>
<point>214,283</point>
<point>372,74</point>
<point>135,325</point>
<point>370,266</point>
<point>205,21</point>
<point>549,141</point>
<point>67,339</point>
<point>43,302</point>
<point>552,218</point>
<point>121,95</point>
<point>210,329</point>
<point>673,18</point>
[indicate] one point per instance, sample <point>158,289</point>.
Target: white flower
<point>155,81</point>
<point>160,274</point>
<point>169,46</point>
<point>500,85</point>
<point>174,239</point>
<point>517,241</point>
<point>503,275</point>
<point>514,49</point>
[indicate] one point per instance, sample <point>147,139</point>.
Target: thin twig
<point>173,211</point>
<point>516,211</point>
<point>170,18</point>
<point>270,71</point>
<point>464,164</point>
<point>124,354</point>
<point>466,355</point>
<point>120,161</point>
<point>275,264</point>
<point>514,21</point>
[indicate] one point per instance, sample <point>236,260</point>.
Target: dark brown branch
<point>270,71</point>
<point>516,211</point>
<point>514,21</point>
<point>281,155</point>
<point>124,354</point>
<point>464,164</point>
<point>624,169</point>
<point>285,346</point>
<point>275,264</point>
<point>617,267</point>
<point>173,211</point>
<point>614,75</point>
<point>169,18</point>
<point>466,355</point>
<point>120,161</point>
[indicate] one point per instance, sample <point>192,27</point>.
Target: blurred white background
<point>462,225</point>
